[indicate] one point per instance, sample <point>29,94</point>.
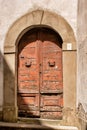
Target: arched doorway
<point>14,34</point>
<point>40,79</point>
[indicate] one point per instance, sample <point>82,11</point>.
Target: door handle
<point>28,63</point>
<point>51,63</point>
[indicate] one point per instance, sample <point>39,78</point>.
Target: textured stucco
<point>82,59</point>
<point>10,11</point>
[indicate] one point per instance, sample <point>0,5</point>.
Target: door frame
<point>17,30</point>
<point>58,41</point>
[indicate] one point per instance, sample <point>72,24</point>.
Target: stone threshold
<point>35,126</point>
<point>39,121</point>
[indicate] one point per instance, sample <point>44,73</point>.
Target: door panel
<point>29,104</point>
<point>51,87</point>
<point>40,85</point>
<point>28,76</point>
<point>28,71</point>
<point>51,115</point>
<point>51,102</point>
<point>52,71</point>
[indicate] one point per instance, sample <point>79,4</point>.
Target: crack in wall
<point>42,17</point>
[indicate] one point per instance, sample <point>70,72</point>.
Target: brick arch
<point>22,25</point>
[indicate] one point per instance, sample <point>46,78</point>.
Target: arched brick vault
<point>22,25</point>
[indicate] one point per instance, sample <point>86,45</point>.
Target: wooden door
<point>40,89</point>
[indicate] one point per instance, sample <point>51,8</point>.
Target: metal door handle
<point>28,64</point>
<point>51,63</point>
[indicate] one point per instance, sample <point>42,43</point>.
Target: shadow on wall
<point>10,101</point>
<point>20,96</point>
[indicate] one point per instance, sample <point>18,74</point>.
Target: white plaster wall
<point>82,54</point>
<point>11,10</point>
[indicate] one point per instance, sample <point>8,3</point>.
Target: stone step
<point>39,121</point>
<point>24,126</point>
